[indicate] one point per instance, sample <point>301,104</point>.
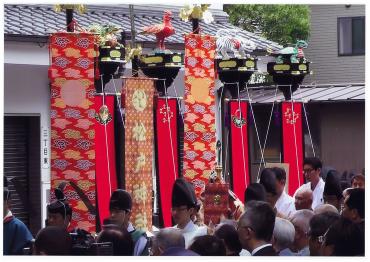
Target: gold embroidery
<point>139,132</point>
<point>139,100</point>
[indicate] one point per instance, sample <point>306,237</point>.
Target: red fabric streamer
<point>166,116</point>
<point>199,122</point>
<point>139,148</point>
<point>293,143</point>
<point>239,147</point>
<point>72,121</point>
<point>106,179</point>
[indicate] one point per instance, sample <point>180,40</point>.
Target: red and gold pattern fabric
<point>167,154</point>
<point>293,143</point>
<point>139,148</point>
<point>199,122</point>
<point>239,147</point>
<point>105,155</point>
<point>72,121</point>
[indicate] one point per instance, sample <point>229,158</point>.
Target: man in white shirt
<point>285,203</point>
<point>312,169</point>
<point>184,203</point>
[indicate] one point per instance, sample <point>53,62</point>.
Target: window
<point>351,35</point>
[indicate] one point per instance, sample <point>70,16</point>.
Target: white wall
<point>26,91</point>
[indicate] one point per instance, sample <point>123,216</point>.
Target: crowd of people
<point>324,217</point>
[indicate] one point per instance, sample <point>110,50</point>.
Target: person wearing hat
<point>184,204</point>
<point>120,211</point>
<point>59,212</point>
<point>16,234</point>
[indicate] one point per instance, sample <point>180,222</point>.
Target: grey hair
<point>169,237</point>
<point>325,208</point>
<point>305,190</point>
<point>283,233</point>
<point>301,219</point>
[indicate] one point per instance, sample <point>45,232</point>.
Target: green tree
<point>284,24</point>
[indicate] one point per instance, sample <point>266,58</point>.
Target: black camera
<point>83,244</point>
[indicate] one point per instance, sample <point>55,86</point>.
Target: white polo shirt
<point>285,205</point>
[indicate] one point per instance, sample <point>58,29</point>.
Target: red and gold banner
<point>105,155</point>
<point>293,143</point>
<point>139,148</point>
<point>72,121</point>
<point>239,147</point>
<point>167,155</point>
<point>199,122</point>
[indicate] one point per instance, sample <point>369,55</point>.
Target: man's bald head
<point>166,238</point>
<point>325,208</point>
<point>303,199</point>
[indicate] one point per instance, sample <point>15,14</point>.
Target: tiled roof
<point>309,93</point>
<point>37,21</point>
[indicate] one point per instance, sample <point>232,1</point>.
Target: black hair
<point>268,180</point>
<point>230,237</point>
<point>320,223</point>
<point>208,246</point>
<point>60,205</point>
<point>313,161</point>
<point>332,185</point>
<point>279,173</point>
<point>254,191</point>
<point>262,219</point>
<point>346,237</point>
<point>356,200</point>
<point>53,240</point>
<point>121,239</point>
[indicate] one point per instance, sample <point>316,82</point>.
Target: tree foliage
<point>284,24</point>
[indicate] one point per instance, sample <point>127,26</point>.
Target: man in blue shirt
<point>16,234</point>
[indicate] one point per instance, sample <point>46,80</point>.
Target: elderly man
<point>255,228</point>
<point>301,220</point>
<point>303,199</point>
<point>325,208</point>
<point>319,224</point>
<point>312,169</point>
<point>170,241</point>
<point>283,237</point>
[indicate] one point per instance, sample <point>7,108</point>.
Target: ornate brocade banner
<point>139,148</point>
<point>106,178</point>
<point>293,143</point>
<point>239,147</point>
<point>72,121</point>
<point>199,122</point>
<point>167,154</point>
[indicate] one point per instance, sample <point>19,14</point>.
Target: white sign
<point>45,158</point>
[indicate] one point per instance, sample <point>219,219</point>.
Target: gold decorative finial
<point>79,8</point>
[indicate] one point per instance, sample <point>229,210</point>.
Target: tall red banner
<point>72,121</point>
<point>199,122</point>
<point>139,137</point>
<point>106,179</point>
<point>166,134</point>
<point>293,143</point>
<point>239,147</point>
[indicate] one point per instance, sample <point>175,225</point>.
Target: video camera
<point>83,244</point>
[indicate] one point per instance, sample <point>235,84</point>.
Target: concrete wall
<point>322,49</point>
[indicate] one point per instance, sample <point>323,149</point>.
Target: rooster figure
<point>161,31</point>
